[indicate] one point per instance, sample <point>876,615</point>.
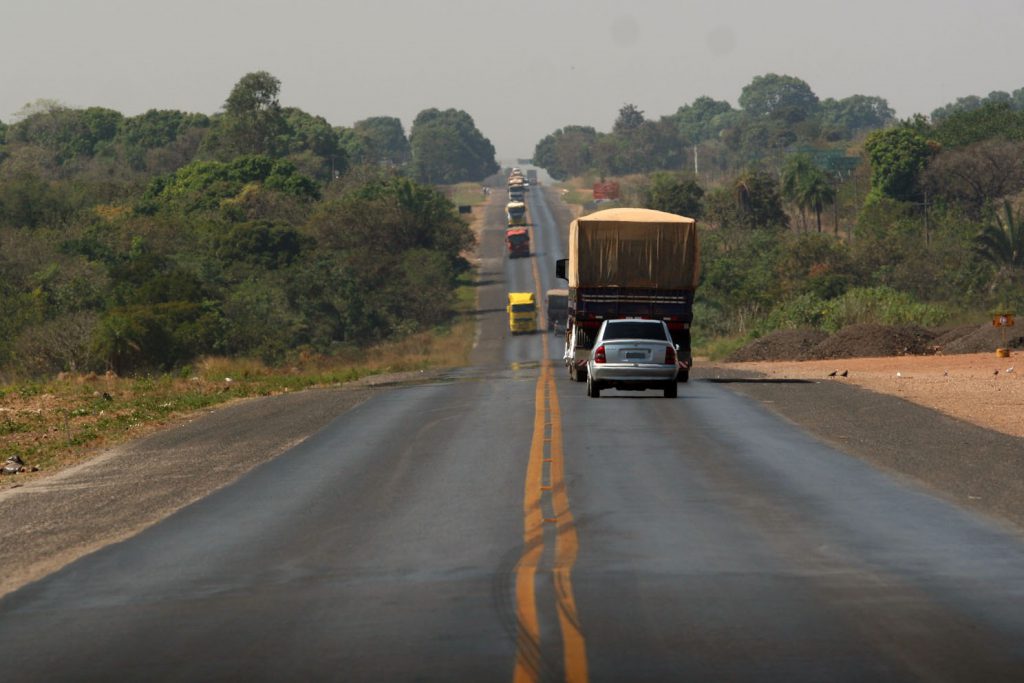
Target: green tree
<point>204,185</point>
<point>898,156</point>
<point>253,120</point>
<point>758,201</point>
<point>158,128</point>
<point>629,120</point>
<point>67,134</point>
<point>961,105</point>
<point>28,201</point>
<point>1001,243</point>
<point>852,115</point>
<point>780,97</point>
<point>161,138</point>
<point>382,141</point>
<point>975,176</point>
<point>567,152</point>
<point>305,132</point>
<point>448,148</point>
<point>816,192</point>
<point>806,186</point>
<point>996,120</point>
<point>674,193</point>
<point>701,120</point>
<point>795,171</point>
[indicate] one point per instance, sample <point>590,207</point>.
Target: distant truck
<point>557,306</point>
<point>629,263</point>
<point>516,189</point>
<point>531,176</point>
<point>515,212</point>
<point>522,312</point>
<point>517,241</point>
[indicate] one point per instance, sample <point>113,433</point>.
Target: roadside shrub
<point>805,310</point>
<point>58,345</point>
<point>883,306</point>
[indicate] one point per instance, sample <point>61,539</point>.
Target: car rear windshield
<point>635,330</point>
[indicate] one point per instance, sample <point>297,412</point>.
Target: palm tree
<point>792,178</point>
<point>816,193</point>
<point>806,186</point>
<point>1002,244</point>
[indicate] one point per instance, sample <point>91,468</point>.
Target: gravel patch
<point>780,345</point>
<point>984,339</point>
<point>867,340</point>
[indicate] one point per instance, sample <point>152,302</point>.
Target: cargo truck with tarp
<point>629,263</point>
<point>557,306</point>
<point>515,212</point>
<point>516,190</point>
<point>517,242</point>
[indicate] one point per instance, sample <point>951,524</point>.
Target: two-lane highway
<point>501,526</point>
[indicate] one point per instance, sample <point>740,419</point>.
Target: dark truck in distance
<point>557,306</point>
<point>629,263</point>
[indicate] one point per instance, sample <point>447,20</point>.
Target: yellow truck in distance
<point>522,312</point>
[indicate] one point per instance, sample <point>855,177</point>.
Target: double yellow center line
<point>545,489</point>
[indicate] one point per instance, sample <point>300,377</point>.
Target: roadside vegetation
<point>146,259</point>
<point>823,213</point>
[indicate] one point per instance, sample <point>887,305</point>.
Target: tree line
<point>139,243</point>
<point>812,206</point>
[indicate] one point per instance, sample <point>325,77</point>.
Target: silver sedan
<point>633,355</point>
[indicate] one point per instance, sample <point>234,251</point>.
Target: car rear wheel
<point>671,389</point>
<point>593,391</point>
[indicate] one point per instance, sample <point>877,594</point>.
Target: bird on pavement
<point>995,372</point>
<point>833,373</point>
<point>844,373</point>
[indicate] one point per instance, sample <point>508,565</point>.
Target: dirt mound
<point>944,337</point>
<point>868,340</point>
<point>779,345</point>
<point>985,339</point>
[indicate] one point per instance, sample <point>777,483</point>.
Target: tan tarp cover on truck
<point>638,248</point>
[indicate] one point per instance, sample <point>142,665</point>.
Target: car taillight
<point>670,356</point>
<point>599,355</point>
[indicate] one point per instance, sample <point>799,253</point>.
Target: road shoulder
<point>52,521</point>
<point>975,468</point>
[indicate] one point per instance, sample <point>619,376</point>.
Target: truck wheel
<point>593,391</point>
<point>671,390</point>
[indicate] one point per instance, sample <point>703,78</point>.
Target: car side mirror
<point>560,269</point>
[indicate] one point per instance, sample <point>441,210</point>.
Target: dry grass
<point>61,422</point>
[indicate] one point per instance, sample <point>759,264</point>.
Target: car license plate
<point>635,355</point>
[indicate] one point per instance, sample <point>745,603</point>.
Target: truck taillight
<point>670,356</point>
<point>599,356</point>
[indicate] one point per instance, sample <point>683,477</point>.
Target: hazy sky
<point>521,68</point>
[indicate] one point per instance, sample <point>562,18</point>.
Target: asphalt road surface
<point>498,525</point>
